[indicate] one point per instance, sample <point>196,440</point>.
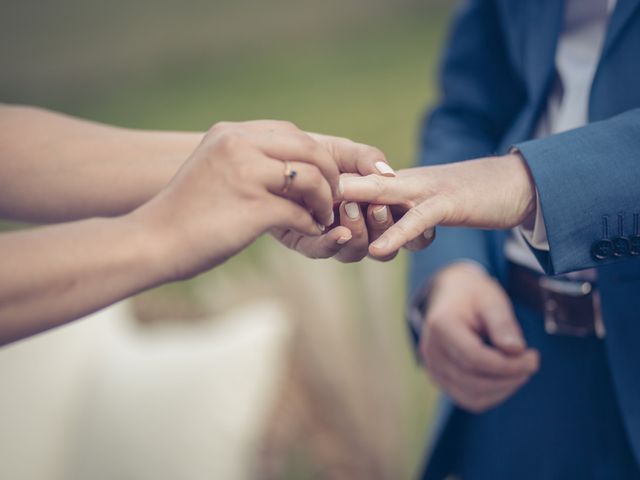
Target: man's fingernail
<point>385,169</point>
<point>352,209</point>
<point>332,219</point>
<point>380,243</point>
<point>428,234</point>
<point>380,214</point>
<point>340,187</point>
<point>343,239</point>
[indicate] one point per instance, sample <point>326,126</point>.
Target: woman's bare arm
<point>227,193</point>
<point>56,168</point>
<point>54,274</point>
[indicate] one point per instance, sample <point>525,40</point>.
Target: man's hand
<point>471,342</point>
<point>493,192</point>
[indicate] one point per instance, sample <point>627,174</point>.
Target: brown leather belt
<point>570,308</point>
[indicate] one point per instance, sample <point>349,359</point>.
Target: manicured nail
<point>343,239</point>
<point>385,169</point>
<point>380,243</point>
<point>332,219</point>
<point>380,214</point>
<point>352,209</point>
<point>428,234</point>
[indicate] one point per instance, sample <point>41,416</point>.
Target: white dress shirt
<point>577,56</point>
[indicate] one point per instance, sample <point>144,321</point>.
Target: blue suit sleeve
<point>588,182</point>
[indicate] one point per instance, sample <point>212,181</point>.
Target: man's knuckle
<point>379,183</point>
<point>296,243</point>
<point>434,327</point>
<point>417,213</point>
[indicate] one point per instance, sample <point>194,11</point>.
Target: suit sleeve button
<point>602,249</point>
<point>621,246</point>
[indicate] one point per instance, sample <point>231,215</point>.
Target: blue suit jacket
<point>496,77</point>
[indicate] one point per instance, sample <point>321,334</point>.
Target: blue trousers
<point>565,424</point>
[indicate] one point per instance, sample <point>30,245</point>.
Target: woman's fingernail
<point>385,169</point>
<point>380,243</point>
<point>380,214</point>
<point>340,187</point>
<point>320,227</point>
<point>343,239</point>
<point>428,234</point>
<point>352,209</point>
<point>332,219</point>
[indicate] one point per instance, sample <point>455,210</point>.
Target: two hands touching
<point>245,164</point>
<point>231,190</point>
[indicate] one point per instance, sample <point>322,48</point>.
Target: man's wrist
<point>419,302</point>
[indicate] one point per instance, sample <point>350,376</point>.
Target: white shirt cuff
<point>536,236</point>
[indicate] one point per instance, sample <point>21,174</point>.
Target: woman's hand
<point>493,192</point>
<point>231,190</point>
<point>228,192</point>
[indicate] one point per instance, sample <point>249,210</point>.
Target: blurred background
<point>272,366</point>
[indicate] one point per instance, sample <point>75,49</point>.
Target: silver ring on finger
<point>289,175</point>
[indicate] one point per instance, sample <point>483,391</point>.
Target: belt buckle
<point>558,321</point>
